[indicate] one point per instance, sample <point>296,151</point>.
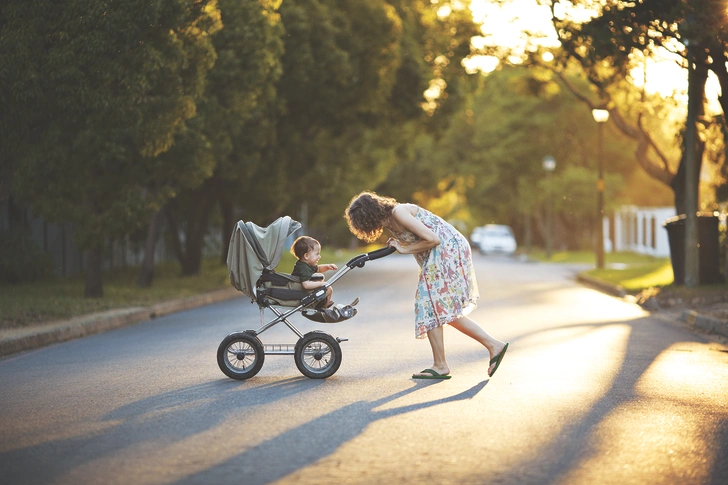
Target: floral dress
<point>447,288</point>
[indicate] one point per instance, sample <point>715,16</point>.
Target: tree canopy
<point>613,41</point>
<point>94,92</point>
<point>120,115</point>
<point>121,110</point>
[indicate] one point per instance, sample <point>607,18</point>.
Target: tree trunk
<point>570,238</point>
<point>678,182</point>
<point>197,225</point>
<point>193,252</point>
<point>719,68</point>
<point>196,215</point>
<point>542,230</point>
<point>6,182</point>
<point>174,240</point>
<point>725,263</point>
<point>226,208</point>
<point>146,273</point>
<point>94,284</point>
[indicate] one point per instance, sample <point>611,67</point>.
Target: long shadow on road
<point>315,440</point>
<point>168,417</point>
<point>577,443</point>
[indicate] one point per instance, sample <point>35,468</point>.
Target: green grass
<point>639,271</point>
<point>563,256</point>
<point>61,298</point>
<point>588,257</point>
<point>637,277</point>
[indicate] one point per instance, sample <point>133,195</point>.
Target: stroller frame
<point>317,354</point>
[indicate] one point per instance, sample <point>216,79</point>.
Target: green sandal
<point>497,360</point>
<point>433,375</point>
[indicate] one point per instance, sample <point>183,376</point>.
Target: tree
<point>436,41</point>
<point>618,37</point>
<point>234,120</point>
<point>340,68</point>
<point>491,157</point>
<point>94,92</point>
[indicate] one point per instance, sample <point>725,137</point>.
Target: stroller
<point>253,255</point>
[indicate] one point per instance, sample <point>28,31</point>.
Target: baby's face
<point>312,257</point>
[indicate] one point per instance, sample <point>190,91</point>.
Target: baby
<point>307,251</point>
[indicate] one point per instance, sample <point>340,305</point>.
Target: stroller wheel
<point>240,355</point>
<point>318,355</point>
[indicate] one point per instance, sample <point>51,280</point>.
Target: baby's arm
<point>312,285</point>
<point>327,267</point>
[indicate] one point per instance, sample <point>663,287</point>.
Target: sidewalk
<point>15,340</point>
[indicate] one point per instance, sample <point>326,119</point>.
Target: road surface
<point>592,390</point>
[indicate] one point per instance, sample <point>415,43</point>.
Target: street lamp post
<point>600,116</point>
<point>549,164</point>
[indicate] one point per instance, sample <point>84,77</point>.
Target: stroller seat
<point>253,255</point>
<point>283,289</point>
<point>274,288</point>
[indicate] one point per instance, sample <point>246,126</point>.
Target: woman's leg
<point>437,342</point>
<point>476,332</point>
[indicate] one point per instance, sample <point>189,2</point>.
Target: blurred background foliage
<point>126,117</point>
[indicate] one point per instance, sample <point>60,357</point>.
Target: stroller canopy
<point>253,249</point>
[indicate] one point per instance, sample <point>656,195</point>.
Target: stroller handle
<point>359,261</point>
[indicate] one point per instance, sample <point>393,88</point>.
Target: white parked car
<point>494,238</point>
<point>476,236</point>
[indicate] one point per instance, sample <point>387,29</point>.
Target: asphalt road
<point>592,390</point>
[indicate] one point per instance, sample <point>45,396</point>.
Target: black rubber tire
<point>240,355</point>
<point>317,355</point>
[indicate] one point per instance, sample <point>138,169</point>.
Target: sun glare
<point>524,25</point>
<point>664,75</point>
<point>514,23</point>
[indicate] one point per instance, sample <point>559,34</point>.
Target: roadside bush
<point>21,260</point>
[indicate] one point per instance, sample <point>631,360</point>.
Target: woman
<point>447,290</point>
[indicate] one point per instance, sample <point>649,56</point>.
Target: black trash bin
<point>708,253</point>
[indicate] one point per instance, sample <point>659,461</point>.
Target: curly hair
<point>366,214</point>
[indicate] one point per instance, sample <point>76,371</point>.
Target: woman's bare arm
<point>403,217</point>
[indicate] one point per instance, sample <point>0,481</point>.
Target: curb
<point>690,318</point>
<point>64,330</point>
<point>614,290</point>
<point>712,325</point>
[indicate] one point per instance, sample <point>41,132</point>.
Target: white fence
<point>638,229</point>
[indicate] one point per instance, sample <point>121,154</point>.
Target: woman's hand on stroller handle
<point>392,243</point>
<point>359,261</point>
